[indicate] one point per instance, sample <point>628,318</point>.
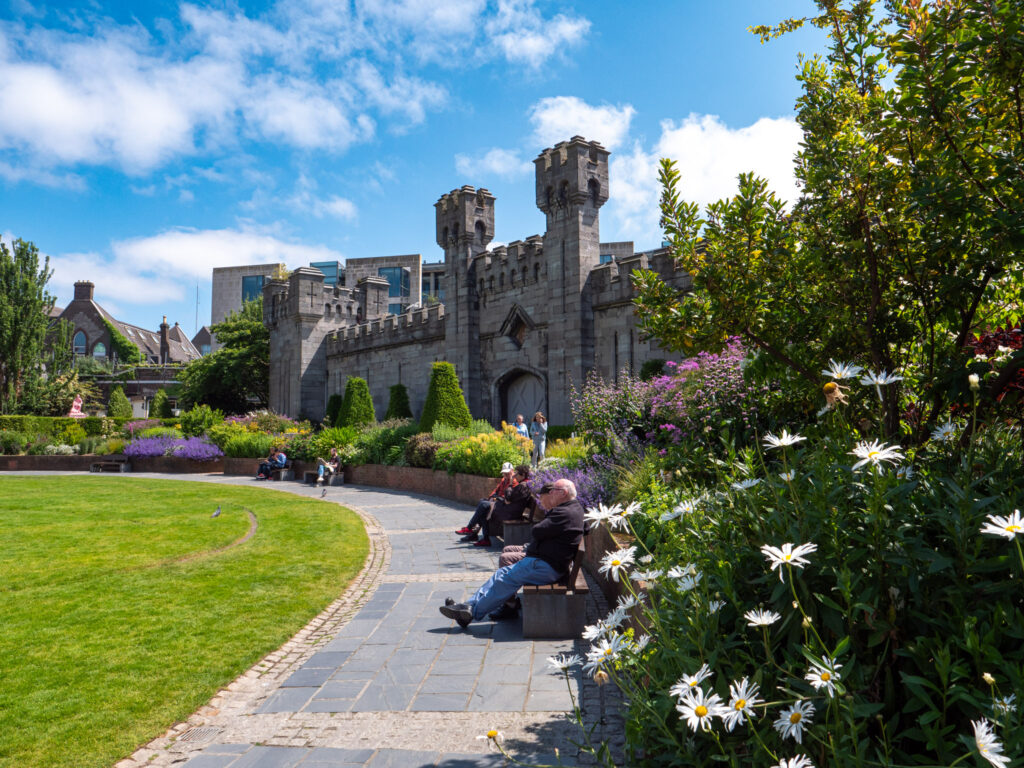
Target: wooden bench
<point>330,478</point>
<point>558,611</point>
<point>111,465</point>
<point>517,532</point>
<point>283,473</point>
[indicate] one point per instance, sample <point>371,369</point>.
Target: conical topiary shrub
<point>118,407</point>
<point>160,408</point>
<point>445,403</point>
<point>357,405</point>
<point>333,408</point>
<point>398,403</point>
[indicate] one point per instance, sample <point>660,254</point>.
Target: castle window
<point>490,283</point>
<point>594,188</point>
<point>512,278</point>
<point>501,280</point>
<point>536,271</point>
<point>444,235</point>
<point>593,155</point>
<point>563,194</point>
<point>549,195</point>
<point>78,343</point>
<point>99,349</point>
<point>455,232</point>
<point>481,286</point>
<point>523,272</point>
<point>481,233</point>
<point>327,311</point>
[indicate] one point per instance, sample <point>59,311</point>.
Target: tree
<point>445,403</point>
<point>25,309</point>
<point>398,403</point>
<point>357,405</point>
<point>333,408</point>
<point>160,408</point>
<point>119,406</point>
<point>908,232</point>
<point>235,378</point>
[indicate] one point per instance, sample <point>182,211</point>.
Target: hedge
<point>398,404</point>
<point>53,425</point>
<point>357,405</point>
<point>445,403</point>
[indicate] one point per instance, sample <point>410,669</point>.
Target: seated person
<point>329,467</point>
<point>268,466</point>
<point>483,508</point>
<point>547,558</point>
<point>510,507</point>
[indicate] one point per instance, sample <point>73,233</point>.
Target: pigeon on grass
<point>216,512</point>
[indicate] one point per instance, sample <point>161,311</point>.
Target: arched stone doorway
<point>522,392</point>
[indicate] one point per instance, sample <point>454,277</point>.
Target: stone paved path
<point>381,678</point>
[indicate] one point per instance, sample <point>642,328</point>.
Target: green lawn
<point>118,618</point>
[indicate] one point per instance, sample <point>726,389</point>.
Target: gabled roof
<point>180,348</point>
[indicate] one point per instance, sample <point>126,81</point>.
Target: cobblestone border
<point>269,672</point>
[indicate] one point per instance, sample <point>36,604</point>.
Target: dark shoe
<point>482,543</point>
<point>464,530</point>
<point>508,611</point>
<point>469,537</point>
<point>460,612</point>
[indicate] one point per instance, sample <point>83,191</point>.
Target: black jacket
<point>511,507</point>
<point>557,537</point>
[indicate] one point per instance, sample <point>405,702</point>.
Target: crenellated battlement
<point>414,326</point>
<point>611,283</point>
<point>510,267</point>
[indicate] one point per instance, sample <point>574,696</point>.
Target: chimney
<point>165,347</point>
<point>83,290</point>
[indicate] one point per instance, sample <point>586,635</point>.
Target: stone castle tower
<point>522,323</point>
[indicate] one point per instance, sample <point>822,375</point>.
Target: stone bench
<point>111,465</point>
<point>284,473</point>
<point>557,611</point>
<point>310,476</point>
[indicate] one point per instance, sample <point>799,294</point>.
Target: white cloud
<point>524,36</point>
<point>306,200</point>
<point>504,163</point>
<point>709,156</point>
<point>310,74</point>
<point>557,118</point>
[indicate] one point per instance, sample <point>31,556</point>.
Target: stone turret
<point>465,225</point>
<point>572,185</point>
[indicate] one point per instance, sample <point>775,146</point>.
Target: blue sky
<point>143,144</point>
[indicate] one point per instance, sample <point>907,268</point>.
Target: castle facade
<point>522,323</point>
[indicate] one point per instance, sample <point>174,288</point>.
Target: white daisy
<point>700,708</point>
<point>686,682</point>
<point>494,737</point>
<point>715,606</point>
<point>879,380</point>
<point>682,571</point>
<point>988,745</point>
<point>782,441</point>
<point>944,433</point>
<point>618,522</point>
<point>646,559</point>
<point>564,662</point>
<point>627,603</point>
<point>684,507</point>
<point>1008,527</point>
<point>840,371</point>
<point>686,579</point>
<point>605,651</point>
<point>641,642</point>
<point>617,562</point>
<point>823,674</point>
<point>875,452</point>
<point>651,575</point>
<point>792,720</point>
<point>601,513</point>
<point>761,618</point>
<point>905,472</point>
<point>788,476</point>
<point>743,485</point>
<point>787,555</point>
<point>800,761</point>
<point>742,700</point>
<point>1004,705</point>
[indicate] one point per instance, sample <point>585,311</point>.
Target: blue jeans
<point>506,582</point>
<point>483,509</point>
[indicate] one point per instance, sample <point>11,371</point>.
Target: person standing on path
<point>548,556</point>
<point>539,433</point>
<point>521,427</point>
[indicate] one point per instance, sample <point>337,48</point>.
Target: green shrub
<point>92,445</point>
<point>60,450</point>
<point>420,450</point>
<point>333,406</point>
<point>118,406</point>
<point>357,405</point>
<point>12,443</point>
<point>398,403</point>
<point>652,368</point>
<point>444,433</point>
<point>160,408</point>
<point>115,445</point>
<point>38,445</point>
<point>560,432</point>
<point>445,403</point>
<point>298,447</point>
<point>342,438</point>
<point>570,451</point>
<point>161,432</point>
<point>219,434</point>
<point>251,445</point>
<point>374,443</point>
<point>196,421</point>
<point>72,434</point>
<point>273,423</point>
<point>483,454</point>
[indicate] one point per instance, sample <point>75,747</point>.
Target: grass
<point>118,618</point>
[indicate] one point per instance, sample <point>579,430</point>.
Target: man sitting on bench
<point>546,559</point>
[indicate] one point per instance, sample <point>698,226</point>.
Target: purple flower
<point>195,448</point>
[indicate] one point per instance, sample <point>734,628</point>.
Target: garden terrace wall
<point>175,465</point>
<point>467,489</point>
<point>50,463</point>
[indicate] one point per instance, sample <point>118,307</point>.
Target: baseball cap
<point>507,467</point>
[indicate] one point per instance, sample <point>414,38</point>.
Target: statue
<point>76,409</point>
